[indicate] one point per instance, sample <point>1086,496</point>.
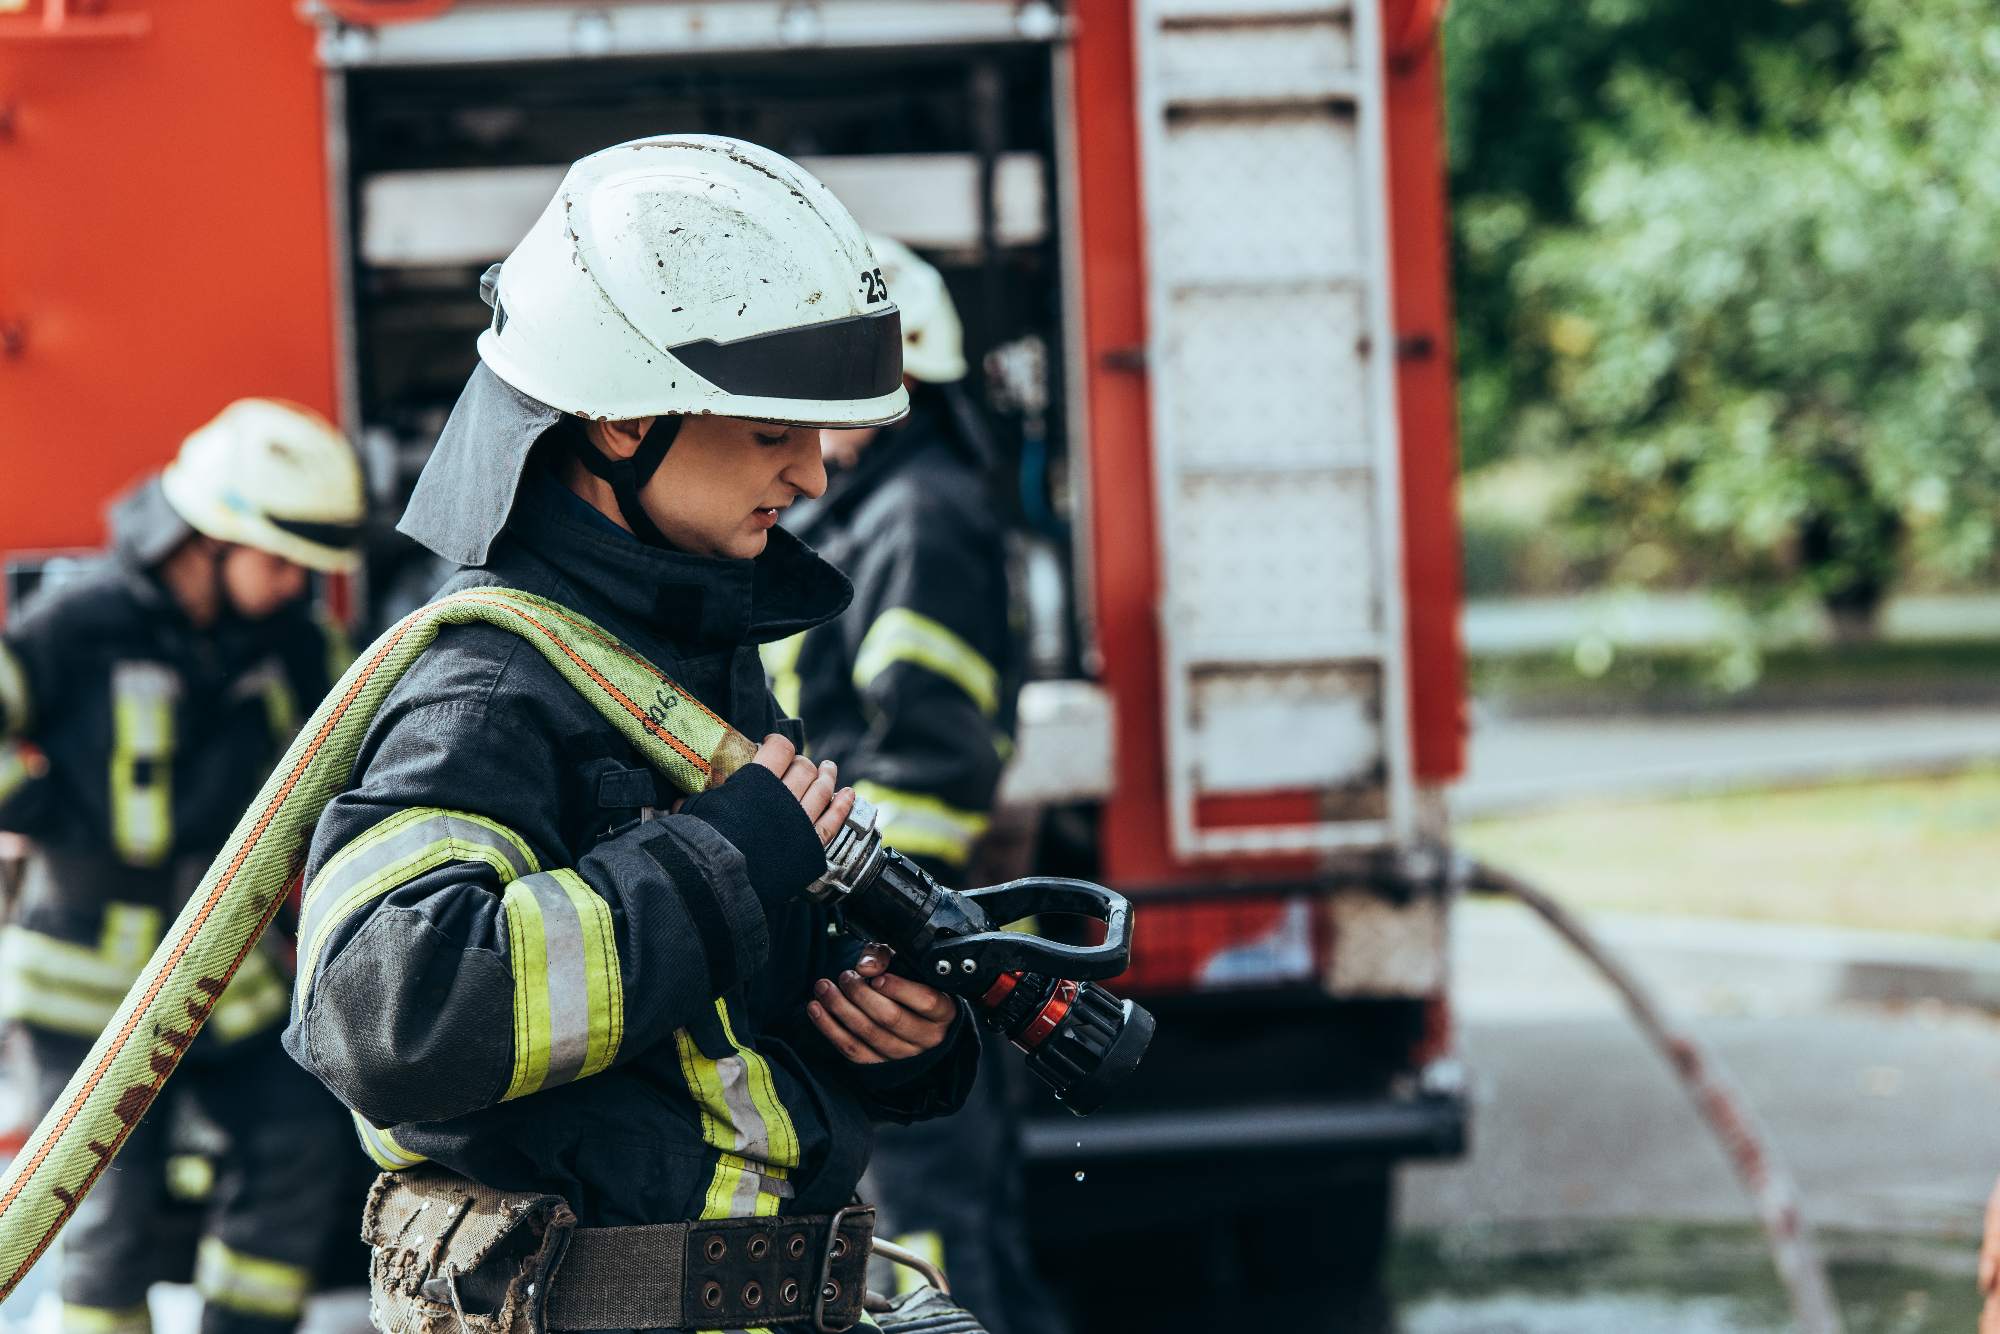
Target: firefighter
<point>547,985</point>
<point>143,702</point>
<point>911,695</point>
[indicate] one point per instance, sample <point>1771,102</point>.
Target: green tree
<point>1530,87</point>
<point>1774,344</point>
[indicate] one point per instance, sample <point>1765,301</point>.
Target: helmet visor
<point>860,357</point>
<point>338,536</point>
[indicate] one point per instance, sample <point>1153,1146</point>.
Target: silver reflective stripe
<point>569,983</point>
<point>753,1137</point>
<point>331,888</point>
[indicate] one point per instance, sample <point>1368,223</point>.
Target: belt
<point>725,1273</point>
<point>514,1262</point>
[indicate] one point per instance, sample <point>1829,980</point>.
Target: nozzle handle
<point>996,952</point>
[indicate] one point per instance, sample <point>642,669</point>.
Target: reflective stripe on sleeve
<point>255,998</point>
<point>142,760</point>
<point>741,1117</point>
<point>781,666</point>
<point>382,1147</point>
<point>17,706</point>
<point>78,1319</point>
<point>902,635</point>
<point>250,1284</point>
<point>340,653</point>
<point>924,826</point>
<point>569,998</point>
<point>402,847</point>
<point>71,988</point>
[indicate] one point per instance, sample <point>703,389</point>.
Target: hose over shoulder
<point>266,854</point>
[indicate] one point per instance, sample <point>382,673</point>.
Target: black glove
<point>756,812</point>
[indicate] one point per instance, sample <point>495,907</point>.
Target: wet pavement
<point>1643,1278</point>
<point>1594,1198</point>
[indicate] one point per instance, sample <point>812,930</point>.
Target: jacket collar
<point>703,604</point>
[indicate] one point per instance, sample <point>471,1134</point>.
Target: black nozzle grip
<point>997,952</point>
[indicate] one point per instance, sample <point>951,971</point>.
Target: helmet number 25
<point>873,287</point>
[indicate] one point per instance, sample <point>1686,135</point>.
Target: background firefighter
<point>911,693</point>
<point>143,702</point>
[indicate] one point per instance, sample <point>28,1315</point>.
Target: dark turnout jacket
<point>911,692</point>
<point>133,742</point>
<point>514,964</point>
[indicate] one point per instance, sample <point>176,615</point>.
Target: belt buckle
<point>826,1272</point>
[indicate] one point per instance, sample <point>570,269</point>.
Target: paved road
<point>1885,1112</point>
<point>1527,763</point>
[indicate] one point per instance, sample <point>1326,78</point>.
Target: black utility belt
<point>724,1273</point>
<point>514,1262</point>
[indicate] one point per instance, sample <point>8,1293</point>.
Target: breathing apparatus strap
<point>628,476</point>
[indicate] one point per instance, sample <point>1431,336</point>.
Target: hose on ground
<point>1751,1151</point>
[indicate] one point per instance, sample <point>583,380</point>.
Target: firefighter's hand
<point>812,785</point>
<point>872,1015</point>
<point>1989,1266</point>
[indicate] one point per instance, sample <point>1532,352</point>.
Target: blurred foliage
<point>1529,89</point>
<point>1716,677</point>
<point>1755,325</point>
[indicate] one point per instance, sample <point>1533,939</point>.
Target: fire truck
<point>1200,251</point>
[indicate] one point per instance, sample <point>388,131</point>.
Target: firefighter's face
<point>842,448</point>
<point>259,583</point>
<point>721,487</point>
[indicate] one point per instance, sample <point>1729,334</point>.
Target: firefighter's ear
<point>619,439</point>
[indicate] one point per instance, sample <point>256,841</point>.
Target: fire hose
<point>1086,1039</point>
<point>1759,1166</point>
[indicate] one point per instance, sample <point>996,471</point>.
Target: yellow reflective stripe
<point>20,764</point>
<point>250,1284</point>
<point>781,666</point>
<point>190,1177</point>
<point>924,826</point>
<point>741,1117</point>
<point>71,988</point>
<point>402,847</point>
<point>780,1148</point>
<point>902,635</point>
<point>929,1245</point>
<point>142,753</point>
<point>106,1320</point>
<point>17,706</point>
<point>255,998</point>
<point>340,652</point>
<point>569,997</point>
<point>382,1147</point>
<point>281,708</point>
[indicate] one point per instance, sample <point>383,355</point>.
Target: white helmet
<point>691,274</point>
<point>271,475</point>
<point>933,339</point>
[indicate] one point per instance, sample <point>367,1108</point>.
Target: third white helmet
<point>933,339</point>
<point>692,274</point>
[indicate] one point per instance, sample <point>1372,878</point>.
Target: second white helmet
<point>693,274</point>
<point>272,475</point>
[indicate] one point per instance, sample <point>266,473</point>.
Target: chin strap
<point>628,476</point>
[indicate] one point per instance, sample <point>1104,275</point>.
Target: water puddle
<point>1667,1278</point>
